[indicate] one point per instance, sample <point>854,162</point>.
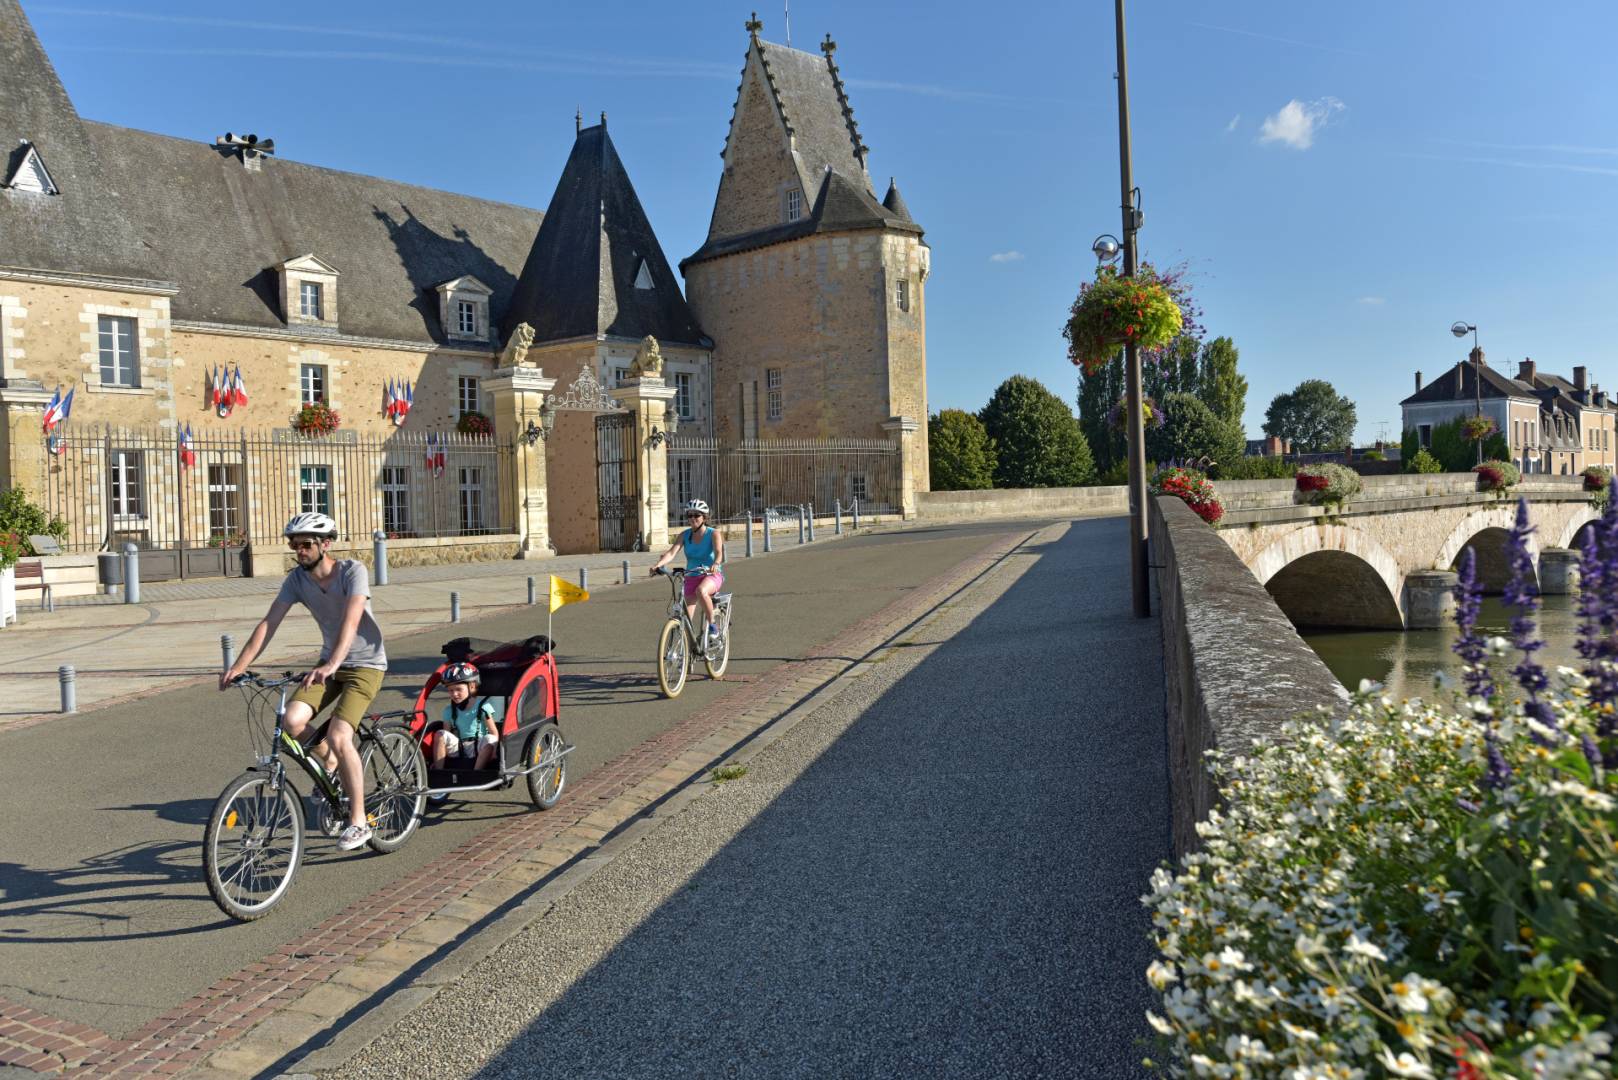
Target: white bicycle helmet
<point>460,673</point>
<point>311,525</point>
<point>697,506</point>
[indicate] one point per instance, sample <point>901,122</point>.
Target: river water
<point>1406,661</point>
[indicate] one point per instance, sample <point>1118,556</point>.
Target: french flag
<point>238,388</point>
<point>390,402</point>
<point>53,411</point>
<point>435,454</point>
<point>402,396</point>
<point>215,389</point>
<point>188,453</point>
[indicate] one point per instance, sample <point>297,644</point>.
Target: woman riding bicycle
<point>704,548</point>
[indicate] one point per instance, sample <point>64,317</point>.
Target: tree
<point>1191,432</point>
<point>1037,441</point>
<point>1175,372</point>
<point>1098,393</point>
<point>1314,417</point>
<point>1220,386</point>
<point>960,453</point>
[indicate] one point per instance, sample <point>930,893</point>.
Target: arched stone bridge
<point>1385,560</point>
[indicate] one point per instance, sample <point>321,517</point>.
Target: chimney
<point>1418,382</point>
<point>1525,371</point>
<point>1476,356</point>
<point>1581,378</point>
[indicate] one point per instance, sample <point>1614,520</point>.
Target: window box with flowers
<point>1497,476</point>
<point>1327,484</point>
<point>1191,486</point>
<point>1113,311</point>
<point>474,423</point>
<point>316,418</point>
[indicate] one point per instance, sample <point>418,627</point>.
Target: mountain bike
<point>682,636</point>
<point>254,840</point>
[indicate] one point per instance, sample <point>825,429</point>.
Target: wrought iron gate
<point>617,481</point>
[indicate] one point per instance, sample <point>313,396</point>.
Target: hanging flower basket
<point>316,419</point>
<point>1193,488</point>
<point>1497,475</point>
<point>1327,483</point>
<point>1474,428</point>
<point>1597,477</point>
<point>1112,311</point>
<point>474,423</point>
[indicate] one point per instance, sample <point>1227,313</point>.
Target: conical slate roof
<point>895,202</point>
<point>593,248</point>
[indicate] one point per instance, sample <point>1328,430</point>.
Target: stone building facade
<point>797,231</point>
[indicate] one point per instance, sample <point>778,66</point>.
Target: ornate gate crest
<point>586,393</point>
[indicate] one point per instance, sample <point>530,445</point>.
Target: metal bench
<point>31,575</point>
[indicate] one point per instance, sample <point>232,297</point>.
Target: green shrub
<point>1254,468</point>
<point>1327,483</point>
<point>1497,476</point>
<point>1423,462</point>
<point>960,453</point>
<point>20,519</point>
<point>1374,455</point>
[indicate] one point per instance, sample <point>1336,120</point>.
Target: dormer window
<point>463,309</point>
<point>794,204</point>
<point>28,173</point>
<point>643,275</point>
<point>309,292</point>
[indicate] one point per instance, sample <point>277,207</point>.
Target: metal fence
<point>770,478</point>
<point>113,485</point>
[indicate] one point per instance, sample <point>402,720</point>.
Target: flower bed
<point>1474,428</point>
<point>1113,310</point>
<point>1417,889</point>
<point>1497,475</point>
<point>1194,488</point>
<point>1327,483</point>
<point>317,418</point>
<point>474,423</point>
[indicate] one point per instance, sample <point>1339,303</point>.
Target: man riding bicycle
<point>704,548</point>
<point>338,595</point>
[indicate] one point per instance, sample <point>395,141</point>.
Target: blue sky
<point>1345,180</point>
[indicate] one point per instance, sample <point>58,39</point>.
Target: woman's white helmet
<point>697,506</point>
<point>311,525</point>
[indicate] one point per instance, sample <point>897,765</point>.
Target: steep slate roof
<point>810,95</point>
<point>1495,385</point>
<point>138,205</point>
<point>579,278</point>
<point>895,202</point>
<point>841,205</point>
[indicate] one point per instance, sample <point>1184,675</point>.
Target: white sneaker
<point>352,837</point>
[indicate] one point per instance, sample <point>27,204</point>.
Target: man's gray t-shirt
<point>328,606</point>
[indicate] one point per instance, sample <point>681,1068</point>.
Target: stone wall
<point>1234,669</point>
<point>1021,502</point>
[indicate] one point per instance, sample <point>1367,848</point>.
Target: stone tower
<point>812,288</point>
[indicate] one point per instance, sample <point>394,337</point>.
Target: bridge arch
<point>1486,531</point>
<point>1332,575</point>
<point>1577,521</point>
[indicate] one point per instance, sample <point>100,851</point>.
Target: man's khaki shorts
<point>353,688</point>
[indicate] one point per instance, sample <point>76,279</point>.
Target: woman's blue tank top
<point>699,555</point>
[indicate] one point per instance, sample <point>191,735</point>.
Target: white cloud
<point>1237,119</point>
<point>1297,122</point>
<point>1372,301</point>
<point>1006,257</point>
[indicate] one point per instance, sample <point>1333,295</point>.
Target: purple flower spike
<point>1522,593</point>
<point>1470,647</point>
<point>1498,775</point>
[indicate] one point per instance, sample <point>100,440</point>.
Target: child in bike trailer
<point>704,549</point>
<point>469,730</point>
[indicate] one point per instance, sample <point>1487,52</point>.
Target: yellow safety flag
<point>565,592</point>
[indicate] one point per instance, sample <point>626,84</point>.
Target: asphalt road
<point>104,917</point>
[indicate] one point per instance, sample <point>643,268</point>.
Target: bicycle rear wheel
<point>395,786</point>
<point>716,664</point>
<point>252,845</point>
<point>673,658</point>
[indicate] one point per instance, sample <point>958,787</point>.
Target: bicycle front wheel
<point>395,787</point>
<point>252,845</point>
<point>673,658</point>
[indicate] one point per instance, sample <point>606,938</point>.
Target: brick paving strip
<point>294,997</point>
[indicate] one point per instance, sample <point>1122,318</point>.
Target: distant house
<point>1552,425</point>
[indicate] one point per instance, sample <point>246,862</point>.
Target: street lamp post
<point>1460,330</point>
<point>1139,584</point>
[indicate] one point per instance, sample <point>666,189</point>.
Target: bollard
<point>837,510</point>
<point>800,523</point>
<point>227,648</point>
<point>584,578</point>
<point>131,573</point>
<point>70,690</point>
<point>454,607</point>
<point>856,515</point>
<point>747,544</point>
<point>766,532</point>
<point>626,572</point>
<point>379,554</point>
<point>811,523</point>
<point>530,591</point>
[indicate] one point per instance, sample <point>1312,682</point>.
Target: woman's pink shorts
<point>693,583</point>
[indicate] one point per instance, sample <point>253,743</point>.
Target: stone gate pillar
<point>22,442</point>
<point>902,433</point>
<point>649,397</point>
<point>519,393</point>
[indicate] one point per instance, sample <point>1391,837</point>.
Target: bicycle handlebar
<point>253,678</point>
